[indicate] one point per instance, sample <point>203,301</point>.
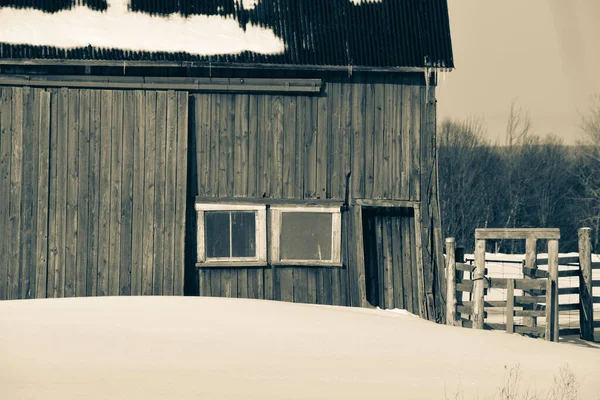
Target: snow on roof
<point>218,348</point>
<point>119,28</point>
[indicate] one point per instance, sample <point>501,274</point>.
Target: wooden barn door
<point>391,258</point>
<point>93,187</point>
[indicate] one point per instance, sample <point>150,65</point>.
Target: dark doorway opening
<point>390,257</point>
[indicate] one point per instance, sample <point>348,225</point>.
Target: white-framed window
<point>305,235</point>
<point>231,234</point>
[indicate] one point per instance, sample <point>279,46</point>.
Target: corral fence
<point>519,304</point>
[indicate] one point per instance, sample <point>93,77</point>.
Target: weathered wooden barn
<point>270,149</point>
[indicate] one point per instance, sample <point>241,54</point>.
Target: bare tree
<point>466,174</point>
<point>589,169</point>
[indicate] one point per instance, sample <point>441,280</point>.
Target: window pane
<point>217,234</point>
<point>243,234</point>
<point>306,236</point>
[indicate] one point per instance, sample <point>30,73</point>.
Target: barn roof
<point>326,33</point>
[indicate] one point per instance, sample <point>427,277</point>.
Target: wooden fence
<point>535,304</point>
<point>92,192</point>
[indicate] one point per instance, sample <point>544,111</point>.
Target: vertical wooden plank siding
<point>16,162</point>
<point>72,188</point>
<point>105,195</point>
<point>203,145</point>
<point>229,116</point>
<point>252,145</point>
<point>407,275</point>
<point>359,257</point>
<point>369,134</point>
<point>388,139</point>
<point>388,277</point>
<point>378,141</point>
<point>225,145</point>
<point>242,283</point>
<point>334,93</point>
<point>341,287</point>
<point>94,193</point>
<point>289,279</point>
<point>379,223</point>
<point>322,144</point>
<point>168,241</point>
<point>43,137</point>
<point>397,262</point>
<point>29,148</point>
<point>115,194</point>
<point>244,127</point>
<point>52,236</point>
<point>277,132</point>
<point>407,132</point>
<point>289,147</point>
<point>181,191</point>
<point>300,285</point>
<point>6,113</point>
<point>213,117</point>
<point>261,147</point>
<point>83,153</point>
<point>346,138</point>
<point>413,159</point>
<point>126,256</point>
<point>237,164</point>
<point>358,140</point>
<point>149,193</point>
<point>137,228</point>
<point>159,192</point>
<point>300,159</point>
<point>310,148</point>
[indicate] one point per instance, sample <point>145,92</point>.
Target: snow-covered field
<point>216,348</point>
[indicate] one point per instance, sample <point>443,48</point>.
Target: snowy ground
<point>215,348</point>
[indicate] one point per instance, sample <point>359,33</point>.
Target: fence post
<point>552,310</point>
<point>450,282</point>
<point>586,300</point>
<point>510,306</point>
<point>530,262</point>
<point>478,284</point>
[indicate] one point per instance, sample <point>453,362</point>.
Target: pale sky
<point>544,54</point>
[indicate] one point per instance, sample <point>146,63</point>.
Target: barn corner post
<point>586,312</point>
<point>430,213</point>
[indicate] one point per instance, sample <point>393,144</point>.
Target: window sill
<point>231,264</point>
<point>307,264</point>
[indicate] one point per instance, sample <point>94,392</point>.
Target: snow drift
<point>216,348</point>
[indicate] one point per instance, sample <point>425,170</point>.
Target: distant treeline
<point>526,182</point>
